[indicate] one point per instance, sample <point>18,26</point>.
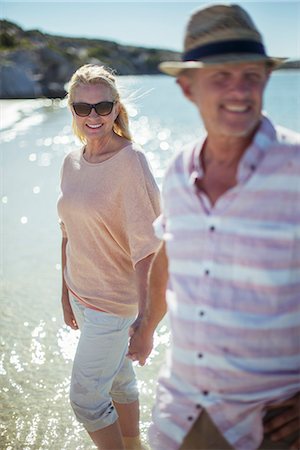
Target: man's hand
<point>140,344</point>
<point>136,324</point>
<point>287,423</point>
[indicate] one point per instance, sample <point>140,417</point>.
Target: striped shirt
<point>233,294</point>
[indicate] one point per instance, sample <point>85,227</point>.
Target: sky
<point>151,23</point>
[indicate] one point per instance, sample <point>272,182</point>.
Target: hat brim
<point>174,68</point>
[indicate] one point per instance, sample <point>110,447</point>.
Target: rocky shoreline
<point>35,65</point>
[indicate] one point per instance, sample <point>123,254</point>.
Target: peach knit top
<point>106,212</point>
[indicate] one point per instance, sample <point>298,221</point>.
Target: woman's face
<point>94,126</point>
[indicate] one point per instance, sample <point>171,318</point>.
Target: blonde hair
<point>91,74</point>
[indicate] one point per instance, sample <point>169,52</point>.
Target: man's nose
<point>241,86</point>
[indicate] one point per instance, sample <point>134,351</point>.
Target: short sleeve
<point>142,207</point>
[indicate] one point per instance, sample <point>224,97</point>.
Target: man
<point>230,257</point>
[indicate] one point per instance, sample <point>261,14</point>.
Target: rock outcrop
<point>34,64</point>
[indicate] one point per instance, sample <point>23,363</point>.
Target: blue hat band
<point>223,48</point>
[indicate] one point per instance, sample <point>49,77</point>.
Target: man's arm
<point>141,341</point>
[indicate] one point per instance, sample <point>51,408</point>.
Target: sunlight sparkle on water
<point>2,370</point>
<point>47,142</point>
<point>45,159</point>
<point>142,131</point>
<point>67,129</point>
<point>164,145</point>
<point>145,387</point>
<point>162,337</point>
<point>61,390</point>
<point>159,173</point>
<point>62,103</point>
<point>7,136</point>
<point>16,386</point>
<point>19,427</point>
<point>37,353</point>
<point>61,140</point>
<point>132,111</point>
<point>67,340</point>
<point>32,435</point>
<point>15,361</point>
<point>155,164</point>
<point>32,157</point>
<point>164,134</point>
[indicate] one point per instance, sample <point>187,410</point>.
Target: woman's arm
<point>67,310</point>
<point>142,270</point>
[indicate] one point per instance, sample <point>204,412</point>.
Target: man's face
<point>229,97</point>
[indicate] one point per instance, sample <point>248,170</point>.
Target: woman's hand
<point>69,317</point>
<point>136,324</point>
<point>140,344</point>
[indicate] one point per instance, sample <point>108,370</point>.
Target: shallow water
<point>37,348</point>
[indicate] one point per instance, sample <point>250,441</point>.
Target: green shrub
<point>7,40</point>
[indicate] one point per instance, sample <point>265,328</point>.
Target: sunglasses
<point>85,109</point>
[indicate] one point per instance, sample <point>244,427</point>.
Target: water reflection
<point>37,351</point>
<point>24,220</point>
<point>45,159</point>
<point>15,361</point>
<point>32,157</point>
<point>67,341</point>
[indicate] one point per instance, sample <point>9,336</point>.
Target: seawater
<point>37,348</point>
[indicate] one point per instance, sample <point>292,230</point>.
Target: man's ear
<point>269,71</point>
<point>185,83</point>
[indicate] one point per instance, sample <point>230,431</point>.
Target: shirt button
<point>200,355</point>
<point>212,228</point>
<point>201,313</point>
<point>190,418</point>
<point>198,406</point>
<point>206,272</point>
<point>205,392</point>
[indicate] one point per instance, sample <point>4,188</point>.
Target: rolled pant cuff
<point>102,422</point>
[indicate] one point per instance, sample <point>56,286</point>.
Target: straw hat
<point>220,34</point>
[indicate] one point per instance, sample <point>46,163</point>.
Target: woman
<point>108,202</point>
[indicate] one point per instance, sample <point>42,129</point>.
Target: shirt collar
<point>252,156</point>
<point>257,150</point>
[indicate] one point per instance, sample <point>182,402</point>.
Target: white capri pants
<point>101,372</point>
